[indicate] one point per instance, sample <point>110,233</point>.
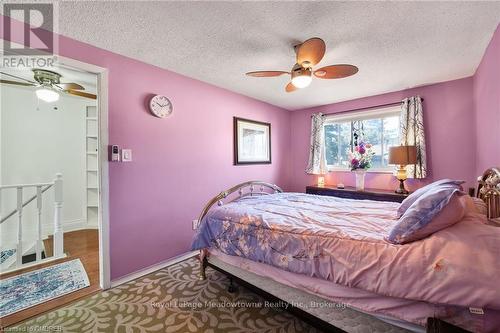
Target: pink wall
<point>179,162</point>
<point>449,127</point>
<point>182,161</point>
<point>487,106</point>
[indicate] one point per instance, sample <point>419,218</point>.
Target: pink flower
<point>368,145</point>
<point>356,148</point>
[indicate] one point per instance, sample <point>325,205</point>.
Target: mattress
<point>342,241</point>
<point>408,314</point>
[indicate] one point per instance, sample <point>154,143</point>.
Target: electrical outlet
<point>195,224</point>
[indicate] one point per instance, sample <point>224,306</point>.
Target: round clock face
<point>160,106</point>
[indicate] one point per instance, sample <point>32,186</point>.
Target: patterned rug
<point>6,254</point>
<point>35,287</point>
<point>170,300</point>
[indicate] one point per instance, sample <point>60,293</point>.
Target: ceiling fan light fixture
<point>302,81</point>
<point>47,95</point>
<point>301,77</point>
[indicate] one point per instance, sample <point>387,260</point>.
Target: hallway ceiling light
<point>47,94</point>
<point>48,85</point>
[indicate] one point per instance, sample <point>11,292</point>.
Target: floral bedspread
<point>342,240</point>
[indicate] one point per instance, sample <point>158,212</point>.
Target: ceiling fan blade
<point>290,87</point>
<point>266,73</point>
<point>70,85</point>
<point>336,71</point>
<point>19,78</point>
<point>81,93</point>
<point>18,83</point>
<point>311,51</point>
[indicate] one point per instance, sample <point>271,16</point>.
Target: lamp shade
<point>403,155</point>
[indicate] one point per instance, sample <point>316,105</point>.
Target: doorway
<point>44,143</point>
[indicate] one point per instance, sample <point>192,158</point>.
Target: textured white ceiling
<point>396,45</point>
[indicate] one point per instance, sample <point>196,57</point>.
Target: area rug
<point>173,299</point>
<point>6,254</point>
<point>170,300</point>
<point>23,291</point>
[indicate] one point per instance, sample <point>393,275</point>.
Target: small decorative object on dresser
<point>360,160</point>
<point>160,106</point>
<point>252,142</point>
<point>352,193</point>
<point>402,156</point>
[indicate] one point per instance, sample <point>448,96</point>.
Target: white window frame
<point>363,115</point>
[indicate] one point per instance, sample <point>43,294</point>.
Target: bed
<point>294,246</point>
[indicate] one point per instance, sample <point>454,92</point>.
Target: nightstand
<point>351,193</point>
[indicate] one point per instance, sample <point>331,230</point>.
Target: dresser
<point>351,193</point>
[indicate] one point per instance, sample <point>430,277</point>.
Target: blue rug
<point>6,254</point>
<point>23,291</point>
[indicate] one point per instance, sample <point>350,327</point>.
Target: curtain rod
<point>365,108</point>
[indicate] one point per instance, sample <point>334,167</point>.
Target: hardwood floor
<point>82,244</point>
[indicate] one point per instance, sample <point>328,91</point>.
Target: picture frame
<point>252,141</point>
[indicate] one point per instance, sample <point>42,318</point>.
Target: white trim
<point>102,109</point>
<point>359,115</point>
<point>102,114</point>
<point>73,225</point>
<point>153,268</point>
<point>388,170</point>
<point>48,228</point>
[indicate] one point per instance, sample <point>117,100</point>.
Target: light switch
<point>126,155</point>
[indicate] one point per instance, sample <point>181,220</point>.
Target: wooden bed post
<point>203,264</point>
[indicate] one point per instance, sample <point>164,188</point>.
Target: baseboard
<point>152,268</point>
<point>74,225</point>
<point>10,231</point>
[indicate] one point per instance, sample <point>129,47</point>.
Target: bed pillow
<point>418,193</point>
<point>438,208</point>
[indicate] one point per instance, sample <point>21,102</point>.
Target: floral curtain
<point>317,157</point>
<point>412,134</point>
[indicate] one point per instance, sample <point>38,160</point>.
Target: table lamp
<point>402,156</point>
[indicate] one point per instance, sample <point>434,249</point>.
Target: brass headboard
<point>488,190</point>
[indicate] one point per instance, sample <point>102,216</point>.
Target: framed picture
<point>252,142</point>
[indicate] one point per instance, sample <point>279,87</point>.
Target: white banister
<point>58,203</point>
<point>19,250</point>
<point>39,245</point>
<point>58,235</point>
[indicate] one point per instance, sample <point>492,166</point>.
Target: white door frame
<point>103,137</point>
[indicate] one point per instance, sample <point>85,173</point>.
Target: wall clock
<point>160,106</point>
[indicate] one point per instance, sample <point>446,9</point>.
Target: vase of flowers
<point>360,160</point>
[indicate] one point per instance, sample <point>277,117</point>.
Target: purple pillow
<point>436,209</point>
<point>418,193</point>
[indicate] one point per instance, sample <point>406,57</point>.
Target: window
<point>379,127</point>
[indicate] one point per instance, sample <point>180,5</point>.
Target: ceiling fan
<point>309,54</point>
<point>48,85</point>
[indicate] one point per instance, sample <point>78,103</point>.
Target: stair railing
<point>58,238</point>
